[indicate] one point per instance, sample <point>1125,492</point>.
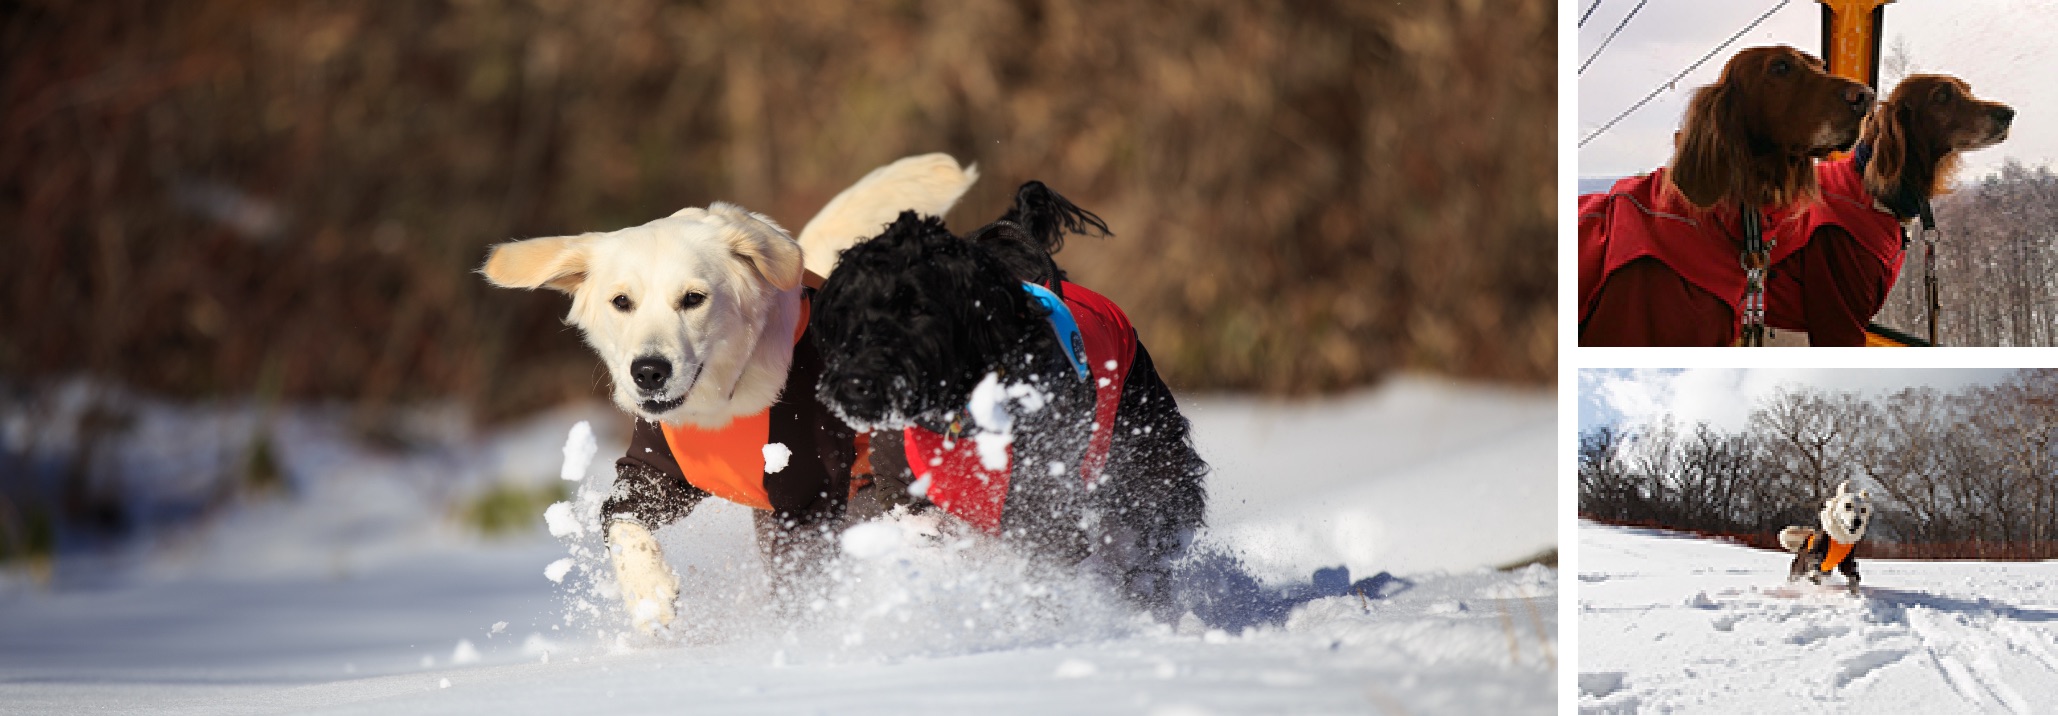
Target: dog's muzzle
<point>651,374</point>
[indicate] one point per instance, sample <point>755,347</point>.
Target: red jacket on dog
<point>1644,218</point>
<point>961,485</point>
<point>1832,291</point>
<point>1655,270</point>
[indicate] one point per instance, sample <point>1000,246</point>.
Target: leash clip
<point>1929,263</point>
<point>1756,261</point>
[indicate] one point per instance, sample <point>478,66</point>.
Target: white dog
<point>1845,516</point>
<point>701,320</point>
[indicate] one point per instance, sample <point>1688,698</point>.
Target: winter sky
<point>1723,397</point>
<point>2004,48</point>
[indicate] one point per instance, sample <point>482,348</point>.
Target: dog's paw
<point>648,585</point>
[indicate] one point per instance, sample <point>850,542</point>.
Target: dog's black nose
<point>650,373</point>
<point>1860,97</point>
<point>2004,115</point>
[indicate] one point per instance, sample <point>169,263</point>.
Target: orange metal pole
<point>1850,38</point>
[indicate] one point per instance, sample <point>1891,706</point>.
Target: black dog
<point>1100,465</point>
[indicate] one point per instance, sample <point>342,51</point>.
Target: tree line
<point>1995,254</point>
<point>1965,474</point>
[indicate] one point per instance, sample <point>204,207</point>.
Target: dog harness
<point>1644,217</point>
<point>1847,205</point>
<point>1061,323</point>
<point>729,462</point>
<point>1100,344</point>
<point>1836,553</point>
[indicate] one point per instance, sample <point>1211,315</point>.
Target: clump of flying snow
<point>464,653</point>
<point>594,601</point>
<point>558,517</point>
<point>871,540</point>
<point>776,455</point>
<point>989,411</point>
<point>1027,396</point>
<point>555,571</point>
<point>579,449</point>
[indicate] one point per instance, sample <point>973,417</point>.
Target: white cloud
<point>1724,397</point>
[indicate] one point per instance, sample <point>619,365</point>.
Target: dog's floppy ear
<point>760,241</point>
<point>1885,131</point>
<point>1708,153</point>
<point>556,262</point>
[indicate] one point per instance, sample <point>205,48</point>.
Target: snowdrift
<point>360,596</point>
<point>1674,624</point>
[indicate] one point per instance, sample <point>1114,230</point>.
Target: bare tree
<point>1972,473</point>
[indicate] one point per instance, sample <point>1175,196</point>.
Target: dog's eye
<point>622,303</point>
<point>1780,67</point>
<point>692,299</point>
<point>1944,94</point>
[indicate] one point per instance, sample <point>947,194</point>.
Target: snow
<point>561,522</point>
<point>989,411</point>
<point>871,540</point>
<point>465,653</point>
<point>776,455</point>
<point>1075,669</point>
<point>1431,481</point>
<point>579,449</point>
<point>1671,623</point>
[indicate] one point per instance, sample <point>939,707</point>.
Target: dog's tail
<point>1047,216</point>
<point>927,184</point>
<point>1795,539</point>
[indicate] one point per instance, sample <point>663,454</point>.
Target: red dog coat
<point>963,487</point>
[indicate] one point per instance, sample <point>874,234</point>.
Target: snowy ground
<point>362,595</point>
<point>1673,624</point>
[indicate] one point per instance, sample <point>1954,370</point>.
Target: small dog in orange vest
<point>1844,519</point>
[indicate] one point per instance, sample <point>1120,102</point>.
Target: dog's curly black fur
<point>912,320</point>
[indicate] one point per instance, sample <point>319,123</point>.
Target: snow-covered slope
<point>1674,624</point>
<point>1430,481</point>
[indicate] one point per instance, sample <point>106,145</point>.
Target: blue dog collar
<point>1062,324</point>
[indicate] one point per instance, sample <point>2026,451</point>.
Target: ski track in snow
<point>1674,624</point>
<point>334,604</point>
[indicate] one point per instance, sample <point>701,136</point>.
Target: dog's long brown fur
<point>1918,133</point>
<point>1751,137</point>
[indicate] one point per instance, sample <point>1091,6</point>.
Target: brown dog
<point>1751,137</point>
<point>1917,134</point>
<point>1658,266</point>
<point>1848,246</point>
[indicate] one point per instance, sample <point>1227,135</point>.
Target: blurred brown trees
<point>210,197</point>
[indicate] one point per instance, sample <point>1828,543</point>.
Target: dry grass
<point>1307,195</point>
